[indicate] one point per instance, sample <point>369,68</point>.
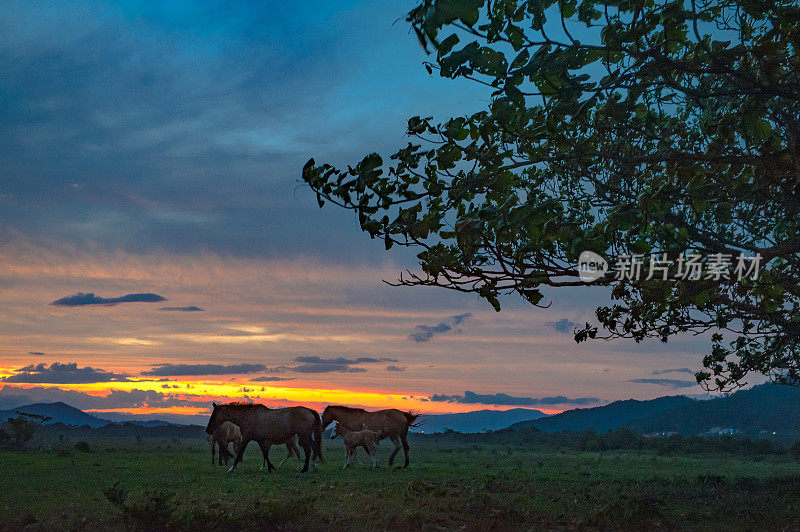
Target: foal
<point>226,433</point>
<point>355,439</point>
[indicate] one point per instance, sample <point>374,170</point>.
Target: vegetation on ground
<point>454,482</point>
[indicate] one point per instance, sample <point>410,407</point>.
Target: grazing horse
<point>355,439</point>
<point>226,433</point>
<point>391,423</point>
<point>270,427</point>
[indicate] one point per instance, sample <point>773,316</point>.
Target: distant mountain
<point>477,421</point>
<point>155,420</point>
<point>605,418</point>
<point>59,412</point>
<point>758,411</point>
<point>766,408</point>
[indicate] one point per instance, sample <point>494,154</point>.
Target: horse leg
<point>346,457</point>
<point>404,439</point>
<point>396,443</point>
<point>305,443</point>
<point>265,452</point>
<point>371,453</point>
<point>289,455</point>
<point>213,451</point>
<point>239,454</point>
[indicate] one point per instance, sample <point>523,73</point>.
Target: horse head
<point>217,418</point>
<point>328,417</point>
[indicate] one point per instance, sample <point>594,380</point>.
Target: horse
<point>269,427</point>
<point>355,439</point>
<point>291,447</point>
<point>390,423</point>
<point>224,434</point>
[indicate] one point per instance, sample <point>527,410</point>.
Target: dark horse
<point>391,423</point>
<point>270,427</point>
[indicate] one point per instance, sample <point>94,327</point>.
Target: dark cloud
<point>80,299</point>
<point>679,370</point>
<point>423,333</point>
<point>58,373</point>
<point>272,379</point>
<point>505,399</point>
<point>327,368</point>
<point>183,309</point>
<point>277,369</point>
<point>37,353</point>
<point>341,360</point>
<point>563,325</point>
<point>392,367</point>
<point>316,364</point>
<point>174,370</point>
<point>667,383</point>
<point>84,401</point>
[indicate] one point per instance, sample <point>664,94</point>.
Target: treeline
<point>619,439</point>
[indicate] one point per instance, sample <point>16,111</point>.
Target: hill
<point>762,409</point>
<point>59,412</point>
<point>605,418</point>
<point>477,421</point>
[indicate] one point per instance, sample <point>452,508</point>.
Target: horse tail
<point>316,437</point>
<point>411,418</point>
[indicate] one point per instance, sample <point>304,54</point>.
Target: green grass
<point>449,485</point>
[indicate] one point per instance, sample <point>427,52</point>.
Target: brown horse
<point>391,423</point>
<point>366,439</point>
<point>226,433</point>
<point>269,427</point>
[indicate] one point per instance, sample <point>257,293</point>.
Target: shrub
<point>83,447</point>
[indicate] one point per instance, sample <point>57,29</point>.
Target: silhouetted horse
<point>271,427</point>
<point>224,434</point>
<point>391,423</point>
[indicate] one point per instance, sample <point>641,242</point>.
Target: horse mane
<point>346,408</point>
<point>237,405</point>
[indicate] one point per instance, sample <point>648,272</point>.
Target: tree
<point>629,128</point>
<point>23,427</point>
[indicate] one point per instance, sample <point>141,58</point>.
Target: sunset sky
<point>154,151</point>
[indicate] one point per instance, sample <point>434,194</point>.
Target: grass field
<point>448,486</point>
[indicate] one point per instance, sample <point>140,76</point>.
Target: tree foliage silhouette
<point>621,127</point>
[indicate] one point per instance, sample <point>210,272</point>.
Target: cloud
<point>327,368</point>
<point>58,373</point>
<point>423,333</point>
<point>667,383</point>
<point>37,353</point>
<point>174,370</point>
<point>316,364</point>
<point>505,399</point>
<point>267,378</point>
<point>563,325</point>
<point>392,367</point>
<point>114,399</point>
<point>679,370</point>
<point>183,309</point>
<point>341,360</point>
<point>80,299</point>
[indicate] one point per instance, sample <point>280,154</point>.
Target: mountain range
<point>478,420</point>
<point>767,409</point>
